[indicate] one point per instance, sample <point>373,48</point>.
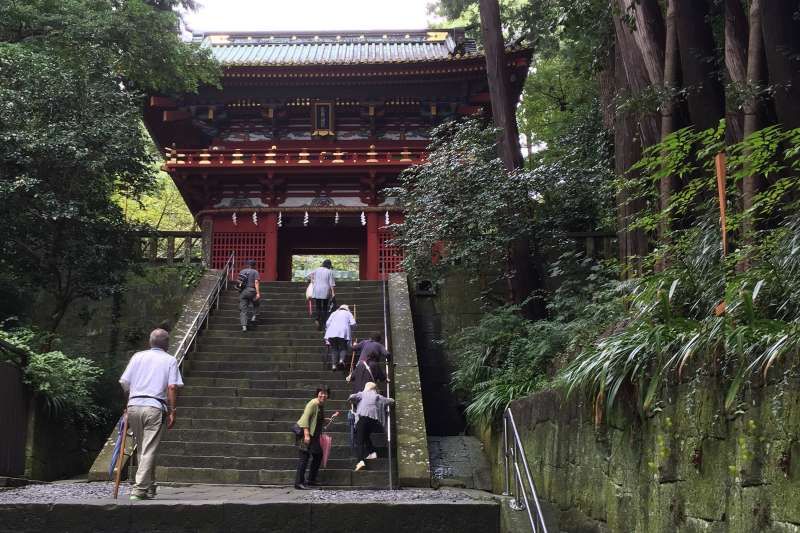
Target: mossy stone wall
<point>690,468</point>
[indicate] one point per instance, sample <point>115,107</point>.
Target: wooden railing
<point>293,157</point>
<point>171,246</point>
<point>595,244</point>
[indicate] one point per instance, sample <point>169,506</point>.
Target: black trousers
<point>365,427</point>
<point>338,350</point>
<point>302,464</point>
<point>321,311</point>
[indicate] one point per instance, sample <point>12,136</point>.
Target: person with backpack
<point>249,293</point>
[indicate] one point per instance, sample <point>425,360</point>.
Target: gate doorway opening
<point>346,266</point>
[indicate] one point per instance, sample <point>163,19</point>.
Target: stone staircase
<point>244,390</point>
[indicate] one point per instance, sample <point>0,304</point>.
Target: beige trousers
<point>145,423</point>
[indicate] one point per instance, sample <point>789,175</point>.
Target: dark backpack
<point>241,283</point>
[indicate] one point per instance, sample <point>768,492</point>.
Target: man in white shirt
<point>151,380</point>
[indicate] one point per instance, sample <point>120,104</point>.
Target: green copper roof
<point>336,48</point>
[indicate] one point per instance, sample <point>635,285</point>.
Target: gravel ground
<point>60,491</point>
<point>64,492</point>
<point>406,495</point>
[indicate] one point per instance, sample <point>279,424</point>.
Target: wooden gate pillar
<point>372,246</point>
<point>271,271</point>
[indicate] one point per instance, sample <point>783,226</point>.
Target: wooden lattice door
<point>390,256</point>
<point>246,245</point>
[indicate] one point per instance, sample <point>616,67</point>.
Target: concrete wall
<point>689,468</point>
<point>193,303</point>
<point>108,331</point>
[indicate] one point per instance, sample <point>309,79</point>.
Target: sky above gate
<point>311,15</point>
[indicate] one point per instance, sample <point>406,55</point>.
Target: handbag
<point>332,304</point>
<point>297,431</point>
<point>310,291</point>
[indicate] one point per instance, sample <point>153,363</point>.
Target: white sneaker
<point>360,465</point>
<point>244,328</point>
<point>253,319</point>
<point>373,455</point>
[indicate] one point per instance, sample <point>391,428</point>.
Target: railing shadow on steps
<point>513,455</point>
<point>211,302</point>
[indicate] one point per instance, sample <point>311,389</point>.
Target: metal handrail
<point>212,300</point>
<point>516,453</point>
<point>388,387</point>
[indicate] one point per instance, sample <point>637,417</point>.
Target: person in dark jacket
<point>365,372</point>
<point>371,346</point>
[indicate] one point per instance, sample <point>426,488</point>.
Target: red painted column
<point>271,273</point>
<point>372,246</point>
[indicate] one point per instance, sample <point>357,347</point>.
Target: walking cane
<point>352,359</point>
<point>118,469</point>
<point>355,313</point>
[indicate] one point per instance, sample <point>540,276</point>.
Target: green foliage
<point>65,384</point>
<point>160,208</point>
<point>462,203</point>
<point>506,356</point>
<point>734,317</point>
<point>71,137</point>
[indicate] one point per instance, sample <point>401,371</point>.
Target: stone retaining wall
<point>413,466</point>
<point>689,468</point>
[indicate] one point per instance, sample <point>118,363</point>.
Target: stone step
<point>261,463</point>
<point>228,424</point>
<point>309,386</point>
<point>194,390</point>
<point>228,449</point>
<point>258,402</point>
<point>264,414</point>
<point>369,322</point>
<point>273,336</point>
<point>364,478</point>
<point>257,366</point>
<point>268,313</point>
<point>245,343</point>
<point>340,436</point>
<point>310,356</point>
<point>322,377</point>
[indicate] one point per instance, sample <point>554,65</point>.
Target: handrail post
<point>388,387</point>
<point>505,456</point>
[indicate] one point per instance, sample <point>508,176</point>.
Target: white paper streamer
<point>363,219</point>
<point>235,219</point>
<point>305,219</point>
<point>255,218</point>
<point>280,219</point>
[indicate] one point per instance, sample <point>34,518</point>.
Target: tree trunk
<point>669,119</point>
<point>705,94</point>
<point>627,150</point>
<point>503,111</point>
<point>636,80</point>
<point>781,31</point>
<point>735,61</point>
<point>753,108</point>
<point>522,276</point>
<point>649,35</point>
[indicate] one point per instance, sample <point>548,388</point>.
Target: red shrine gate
<point>292,155</point>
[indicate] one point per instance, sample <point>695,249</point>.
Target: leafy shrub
<point>65,384</point>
